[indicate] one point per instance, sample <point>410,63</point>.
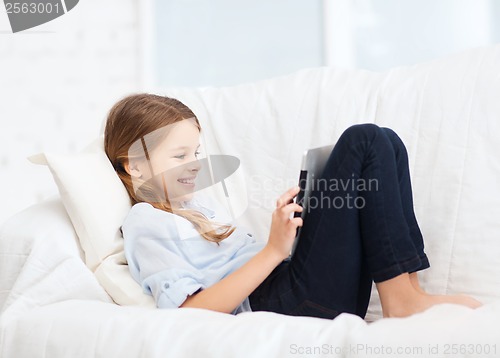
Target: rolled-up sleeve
<point>170,291</point>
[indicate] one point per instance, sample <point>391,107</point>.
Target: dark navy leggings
<point>360,228</point>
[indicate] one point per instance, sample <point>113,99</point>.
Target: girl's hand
<point>284,229</point>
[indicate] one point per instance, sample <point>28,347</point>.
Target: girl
<point>180,253</point>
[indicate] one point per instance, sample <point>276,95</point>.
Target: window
<point>227,42</point>
<point>380,34</point>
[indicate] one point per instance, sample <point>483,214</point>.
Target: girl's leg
<point>355,231</point>
<point>407,198</point>
<point>401,156</point>
<point>403,295</point>
<point>360,227</point>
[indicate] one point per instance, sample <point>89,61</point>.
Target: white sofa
<point>65,289</point>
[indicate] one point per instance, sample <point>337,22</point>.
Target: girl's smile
<point>189,181</point>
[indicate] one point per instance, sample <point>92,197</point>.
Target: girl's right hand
<point>284,229</point>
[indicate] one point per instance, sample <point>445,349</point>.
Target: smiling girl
<point>182,251</point>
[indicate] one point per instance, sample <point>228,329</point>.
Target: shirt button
<point>249,234</point>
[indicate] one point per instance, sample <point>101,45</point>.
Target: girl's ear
<point>133,169</point>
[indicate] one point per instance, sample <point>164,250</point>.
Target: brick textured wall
<point>57,82</point>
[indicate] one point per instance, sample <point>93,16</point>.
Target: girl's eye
<point>183,155</point>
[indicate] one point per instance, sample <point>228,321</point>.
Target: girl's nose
<point>195,165</point>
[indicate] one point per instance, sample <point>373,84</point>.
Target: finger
<point>286,210</point>
<point>289,195</point>
<point>295,192</point>
<point>289,208</point>
<point>297,221</point>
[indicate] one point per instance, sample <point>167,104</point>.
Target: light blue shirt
<point>169,258</point>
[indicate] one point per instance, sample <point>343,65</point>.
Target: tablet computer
<point>313,163</point>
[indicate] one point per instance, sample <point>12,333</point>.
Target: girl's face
<point>174,162</point>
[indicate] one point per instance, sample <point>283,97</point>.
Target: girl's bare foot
<point>399,298</point>
<point>422,302</point>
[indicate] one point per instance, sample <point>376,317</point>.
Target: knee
<point>389,132</point>
<point>393,137</point>
<point>369,132</point>
<point>363,131</point>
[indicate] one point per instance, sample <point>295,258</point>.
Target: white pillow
<point>97,203</point>
<point>114,275</point>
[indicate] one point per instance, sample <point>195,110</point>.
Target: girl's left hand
<point>284,229</point>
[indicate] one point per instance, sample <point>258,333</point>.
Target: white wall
<point>57,82</point>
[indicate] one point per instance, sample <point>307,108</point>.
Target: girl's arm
<point>228,293</point>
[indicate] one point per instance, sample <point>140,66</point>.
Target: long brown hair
<point>134,117</point>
